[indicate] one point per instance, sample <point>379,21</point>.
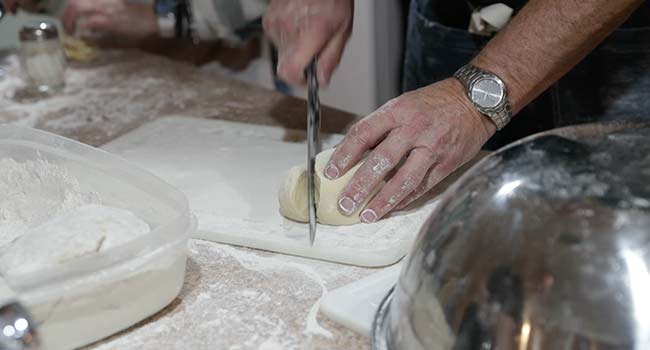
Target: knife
<point>313,129</point>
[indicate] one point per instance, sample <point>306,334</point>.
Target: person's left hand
<point>434,130</point>
<point>118,17</point>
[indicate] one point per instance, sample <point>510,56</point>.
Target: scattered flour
<point>257,263</point>
<point>46,218</point>
<point>116,93</point>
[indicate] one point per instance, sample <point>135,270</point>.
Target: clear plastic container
<point>87,299</point>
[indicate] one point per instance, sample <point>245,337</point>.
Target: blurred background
<point>369,74</point>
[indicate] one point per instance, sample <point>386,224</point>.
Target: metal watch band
<point>469,75</point>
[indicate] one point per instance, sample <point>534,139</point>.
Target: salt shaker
<point>42,57</point>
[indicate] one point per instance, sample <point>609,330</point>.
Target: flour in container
<point>47,219</point>
<point>72,234</point>
<point>32,192</point>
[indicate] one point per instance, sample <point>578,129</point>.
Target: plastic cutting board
<point>231,173</point>
<point>355,305</point>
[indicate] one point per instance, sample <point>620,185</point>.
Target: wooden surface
<point>233,298</point>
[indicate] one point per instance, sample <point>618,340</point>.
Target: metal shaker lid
<point>39,31</point>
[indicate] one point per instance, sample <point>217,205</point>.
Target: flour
<point>32,192</point>
<point>74,233</point>
<point>47,219</point>
<point>256,263</point>
<point>102,101</point>
<point>236,299</point>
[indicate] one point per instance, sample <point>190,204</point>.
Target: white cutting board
<point>355,305</point>
<point>231,173</point>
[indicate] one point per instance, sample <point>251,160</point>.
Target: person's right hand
<point>304,29</point>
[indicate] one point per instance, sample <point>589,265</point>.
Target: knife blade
<point>313,130</point>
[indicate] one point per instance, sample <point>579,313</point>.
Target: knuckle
<point>382,205</point>
<point>391,105</point>
<point>391,200</point>
<point>358,134</point>
<point>268,23</point>
<point>427,152</point>
<point>342,161</point>
<point>454,159</point>
<point>421,120</point>
<point>410,182</point>
<point>380,162</point>
<point>358,190</point>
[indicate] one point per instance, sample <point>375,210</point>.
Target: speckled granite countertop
<point>233,298</point>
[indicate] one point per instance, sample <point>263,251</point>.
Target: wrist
<point>515,88</point>
<point>457,91</point>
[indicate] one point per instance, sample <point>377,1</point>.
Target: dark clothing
<point>456,13</point>
<point>612,83</point>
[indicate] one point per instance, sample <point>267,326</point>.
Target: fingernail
<point>347,205</point>
<point>368,216</point>
<point>331,171</point>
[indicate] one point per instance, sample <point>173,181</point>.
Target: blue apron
<point>612,83</point>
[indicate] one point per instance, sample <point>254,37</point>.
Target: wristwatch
<point>487,92</point>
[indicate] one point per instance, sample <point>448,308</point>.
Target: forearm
<point>546,39</point>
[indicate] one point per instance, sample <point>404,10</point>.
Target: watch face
<point>487,93</point>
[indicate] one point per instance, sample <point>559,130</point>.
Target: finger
<point>436,174</point>
<point>405,181</point>
<point>362,136</point>
<point>69,16</point>
<point>373,170</point>
<point>73,11</point>
<point>94,23</point>
<point>293,59</point>
<point>331,55</point>
<point>277,31</point>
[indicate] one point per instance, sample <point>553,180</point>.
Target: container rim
<point>114,166</point>
<point>379,330</point>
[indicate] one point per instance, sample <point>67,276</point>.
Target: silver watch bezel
<point>499,82</point>
<point>469,76</point>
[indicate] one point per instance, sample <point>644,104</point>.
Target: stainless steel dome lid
<point>544,245</point>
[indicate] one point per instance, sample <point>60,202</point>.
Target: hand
<point>434,130</point>
<point>119,17</point>
<point>304,29</point>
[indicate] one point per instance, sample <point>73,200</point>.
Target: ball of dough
<point>78,50</point>
<point>293,194</point>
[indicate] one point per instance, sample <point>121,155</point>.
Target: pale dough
<point>78,50</point>
<point>293,194</point>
